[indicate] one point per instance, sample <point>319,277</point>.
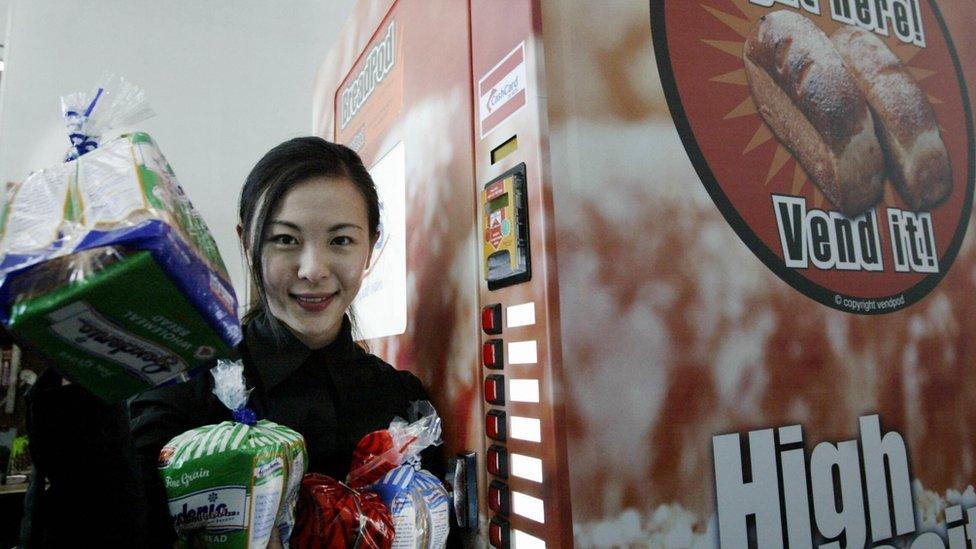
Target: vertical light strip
<point>528,507</point>
<point>526,467</point>
<point>521,540</point>
<point>520,315</point>
<point>526,428</point>
<point>522,352</point>
<point>523,390</point>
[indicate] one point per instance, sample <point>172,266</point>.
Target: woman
<point>309,216</point>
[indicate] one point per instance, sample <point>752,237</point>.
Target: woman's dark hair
<point>290,163</point>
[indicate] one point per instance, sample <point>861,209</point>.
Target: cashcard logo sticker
<point>835,137</point>
<point>501,90</point>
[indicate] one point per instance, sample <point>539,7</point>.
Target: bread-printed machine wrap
<point>916,156</point>
<point>848,110</point>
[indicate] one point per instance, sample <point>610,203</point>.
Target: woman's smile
<point>316,302</point>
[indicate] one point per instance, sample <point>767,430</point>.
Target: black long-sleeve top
<point>332,396</point>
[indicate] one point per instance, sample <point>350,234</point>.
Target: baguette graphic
<point>812,103</point>
<point>917,159</point>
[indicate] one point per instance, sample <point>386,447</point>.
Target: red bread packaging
<point>333,515</point>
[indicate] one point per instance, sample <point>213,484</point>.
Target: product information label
<point>109,185</point>
<point>834,136</point>
<point>36,210</point>
<point>438,510</point>
<point>404,523</point>
<point>268,485</point>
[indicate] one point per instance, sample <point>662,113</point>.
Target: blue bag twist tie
<point>113,103</point>
<point>246,416</point>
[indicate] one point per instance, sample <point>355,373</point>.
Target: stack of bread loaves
<point>108,271</point>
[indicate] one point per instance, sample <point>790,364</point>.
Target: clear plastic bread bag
<point>44,217</point>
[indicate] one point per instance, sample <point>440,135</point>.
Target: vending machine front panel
<point>517,263</point>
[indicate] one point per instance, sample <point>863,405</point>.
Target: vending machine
<point>677,274</point>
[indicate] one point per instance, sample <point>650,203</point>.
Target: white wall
<point>228,79</point>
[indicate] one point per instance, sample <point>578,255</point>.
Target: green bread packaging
<point>233,485</point>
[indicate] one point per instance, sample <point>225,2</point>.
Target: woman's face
<point>315,247</point>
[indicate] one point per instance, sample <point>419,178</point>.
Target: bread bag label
<point>835,137</point>
<point>223,507</point>
<point>37,210</point>
<point>436,502</point>
<point>108,186</point>
<point>395,491</point>
<point>80,325</point>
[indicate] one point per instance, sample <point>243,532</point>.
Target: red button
<point>495,425</point>
<point>497,461</point>
<point>490,394</point>
<point>498,533</point>
<point>498,497</point>
<point>491,354</point>
<point>491,319</point>
<point>495,535</point>
<point>495,390</point>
